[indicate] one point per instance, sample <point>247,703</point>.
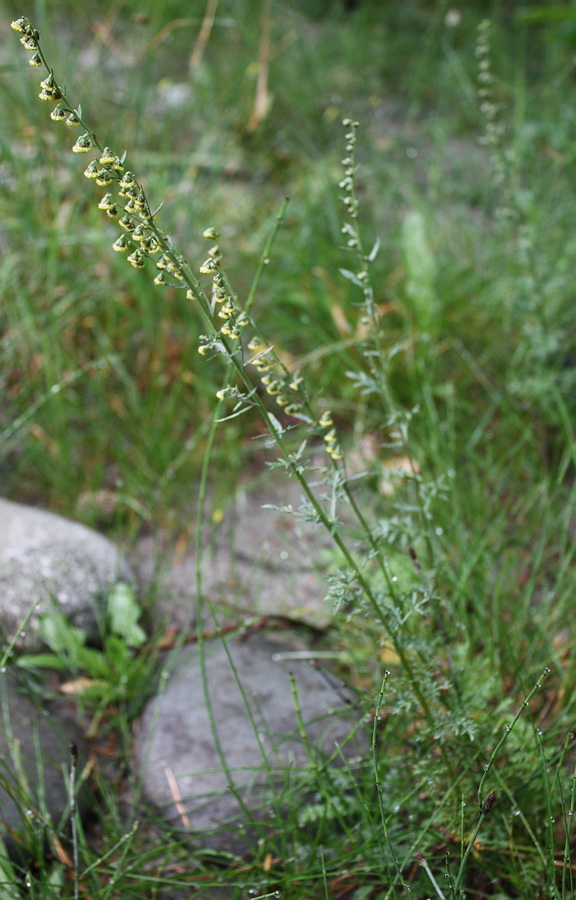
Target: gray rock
<point>34,765</point>
<point>260,559</point>
<point>176,753</point>
<point>51,561</point>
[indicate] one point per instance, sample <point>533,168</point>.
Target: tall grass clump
<point>457,633</point>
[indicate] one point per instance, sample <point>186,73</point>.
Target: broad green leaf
<point>124,612</point>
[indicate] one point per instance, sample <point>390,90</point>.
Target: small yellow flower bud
<point>58,114</point>
<point>325,420</point>
<point>107,202</point>
<point>208,267</point>
<point>107,157</point>
<point>126,222</point>
<point>138,233</point>
<point>160,279</point>
<point>29,43</point>
<point>136,259</point>
<point>35,60</point>
<point>121,244</point>
<point>103,178</point>
<point>72,121</point>
<point>230,331</point>
<point>190,295</point>
<point>150,244</point>
<point>127,180</point>
<point>22,26</point>
<point>48,84</point>
<point>202,350</point>
<point>226,311</point>
<point>210,234</point>
<point>83,144</point>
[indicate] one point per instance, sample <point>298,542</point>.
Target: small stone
<point>177,756</point>
<point>53,562</point>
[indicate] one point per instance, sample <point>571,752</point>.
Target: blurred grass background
<point>219,146</point>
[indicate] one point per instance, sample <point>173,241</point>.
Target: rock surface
<point>177,755</point>
<point>258,559</point>
<point>46,559</point>
<point>34,747</point>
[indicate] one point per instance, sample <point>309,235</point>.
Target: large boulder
<point>251,707</point>
<point>49,562</point>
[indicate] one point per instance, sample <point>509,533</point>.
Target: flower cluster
<point>347,184</point>
<point>223,301</point>
<point>126,201</point>
<point>491,110</point>
<point>278,383</point>
<point>329,436</point>
<point>30,40</point>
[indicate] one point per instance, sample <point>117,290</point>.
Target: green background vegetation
<point>102,385</point>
